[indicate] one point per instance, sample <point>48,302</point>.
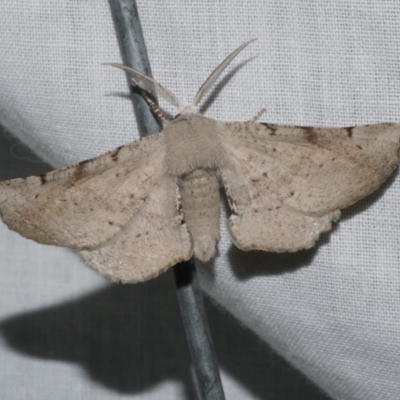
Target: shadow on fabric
<point>130,337</point>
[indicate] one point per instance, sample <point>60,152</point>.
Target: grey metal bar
<point>198,333</point>
<point>134,54</point>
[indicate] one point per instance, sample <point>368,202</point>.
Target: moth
<point>137,210</point>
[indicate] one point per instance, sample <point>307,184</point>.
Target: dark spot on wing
<point>272,128</point>
<point>110,223</point>
<point>310,134</point>
<point>232,204</point>
<point>114,153</point>
<point>265,175</point>
<point>79,169</point>
<point>349,131</point>
<point>359,147</point>
<point>138,235</point>
<point>36,196</point>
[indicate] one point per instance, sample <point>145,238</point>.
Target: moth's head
<point>166,94</point>
<point>188,110</point>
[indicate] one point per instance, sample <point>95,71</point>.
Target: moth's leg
<point>258,115</point>
<point>153,106</point>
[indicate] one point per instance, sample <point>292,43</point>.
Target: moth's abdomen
<point>200,202</point>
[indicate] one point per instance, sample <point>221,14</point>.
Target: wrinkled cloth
<point>333,312</point>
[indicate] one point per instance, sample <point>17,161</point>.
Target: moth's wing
<point>153,240</point>
<point>88,203</point>
<point>286,184</point>
<point>260,221</point>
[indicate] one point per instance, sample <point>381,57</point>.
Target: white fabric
<point>333,312</point>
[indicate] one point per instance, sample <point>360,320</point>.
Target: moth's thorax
<point>192,142</point>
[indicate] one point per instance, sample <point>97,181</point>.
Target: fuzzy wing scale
<point>315,170</point>
<point>286,185</point>
<point>153,240</point>
<point>88,203</point>
<point>260,221</point>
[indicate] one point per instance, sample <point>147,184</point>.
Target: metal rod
<point>134,54</point>
<point>198,333</point>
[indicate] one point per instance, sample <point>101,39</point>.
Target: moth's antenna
<point>205,87</point>
<point>161,90</point>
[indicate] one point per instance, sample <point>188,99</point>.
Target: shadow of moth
<point>137,210</point>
